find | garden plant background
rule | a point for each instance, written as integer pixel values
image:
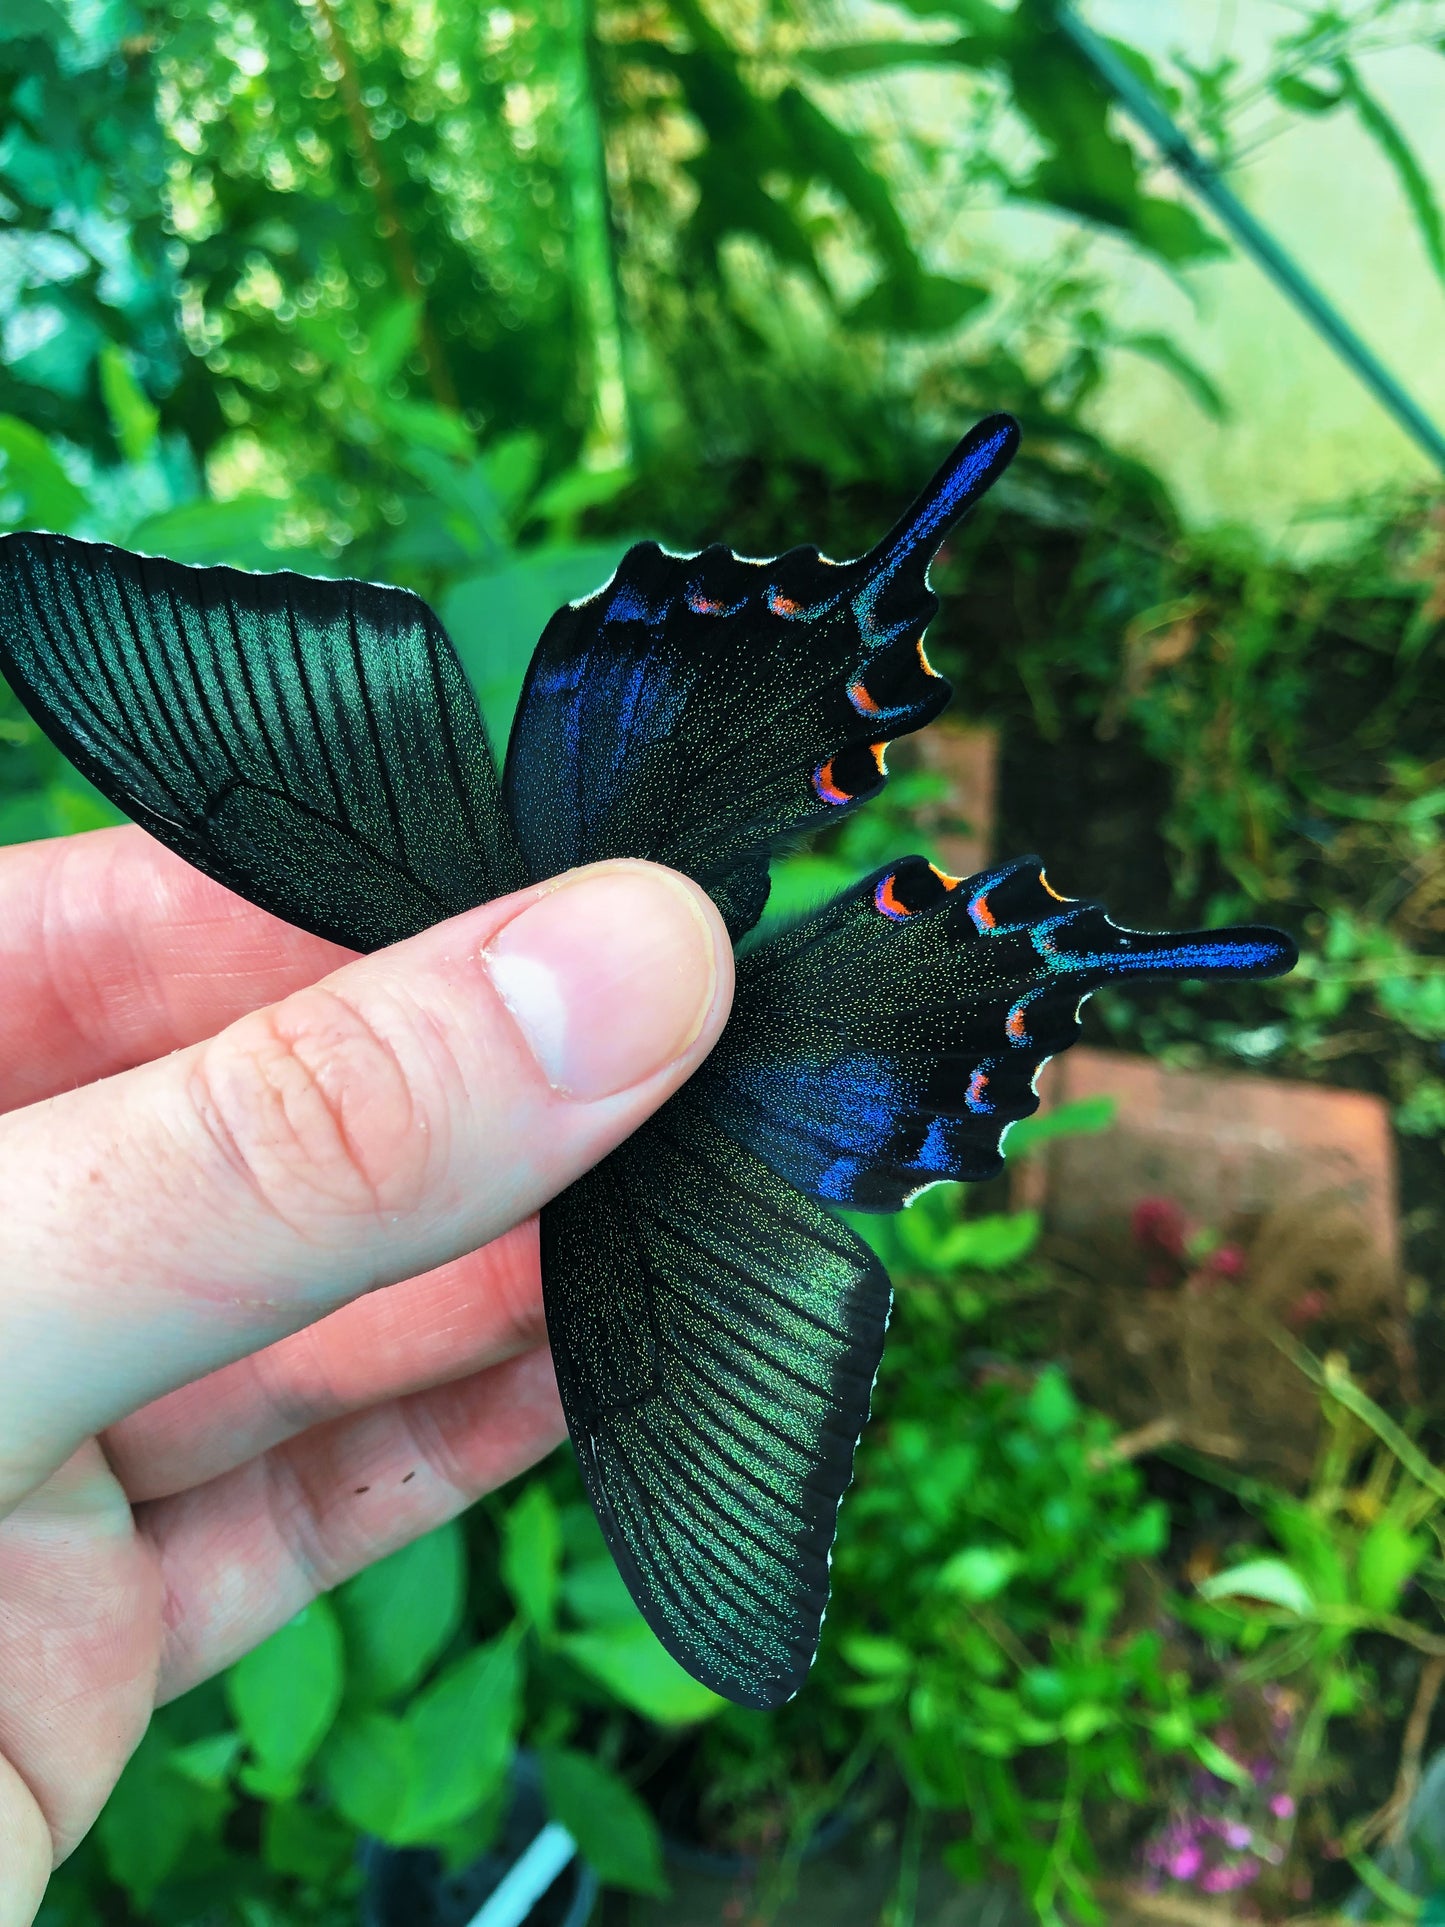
(466, 298)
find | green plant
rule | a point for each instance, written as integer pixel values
(392, 1708)
(1009, 1678)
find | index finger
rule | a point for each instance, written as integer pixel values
(114, 951)
(412, 1107)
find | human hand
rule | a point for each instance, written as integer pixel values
(205, 1420)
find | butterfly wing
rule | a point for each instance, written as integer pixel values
(889, 1041)
(716, 1331)
(700, 709)
(716, 1335)
(314, 745)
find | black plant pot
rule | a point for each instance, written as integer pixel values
(409, 1887)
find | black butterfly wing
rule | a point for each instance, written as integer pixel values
(314, 745)
(716, 1335)
(699, 709)
(716, 1331)
(888, 1042)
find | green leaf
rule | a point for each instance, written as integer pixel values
(30, 468)
(20, 19)
(208, 1762)
(132, 413)
(511, 466)
(1305, 98)
(918, 304)
(1387, 1558)
(150, 1818)
(429, 427)
(531, 1555)
(1213, 1758)
(1052, 1407)
(1397, 151)
(392, 337)
(1270, 1581)
(234, 532)
(463, 1732)
(567, 495)
(992, 1242)
(1082, 1722)
(629, 1660)
(1186, 371)
(874, 1655)
(884, 56)
(596, 1593)
(615, 1833)
(1090, 170)
(306, 1841)
(495, 618)
(397, 1615)
(367, 1766)
(1080, 1117)
(285, 1694)
(978, 1573)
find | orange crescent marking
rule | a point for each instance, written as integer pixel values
(924, 664)
(825, 786)
(888, 899)
(861, 700)
(948, 882)
(1051, 890)
(880, 754)
(782, 605)
(977, 1085)
(1014, 1025)
(983, 917)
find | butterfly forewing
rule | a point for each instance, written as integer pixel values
(699, 709)
(314, 745)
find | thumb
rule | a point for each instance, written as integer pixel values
(403, 1111)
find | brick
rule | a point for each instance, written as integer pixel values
(1221, 1146)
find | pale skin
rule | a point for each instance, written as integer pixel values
(269, 1291)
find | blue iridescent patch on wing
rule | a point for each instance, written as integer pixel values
(889, 1041)
(772, 689)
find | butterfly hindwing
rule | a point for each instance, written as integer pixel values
(701, 708)
(314, 745)
(716, 1335)
(887, 1041)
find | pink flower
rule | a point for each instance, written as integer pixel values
(1282, 1806)
(1158, 1224)
(1225, 1880)
(1307, 1309)
(1184, 1864)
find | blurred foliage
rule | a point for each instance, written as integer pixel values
(465, 299)
(391, 1708)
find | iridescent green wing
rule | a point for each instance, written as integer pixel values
(314, 745)
(715, 1330)
(716, 1335)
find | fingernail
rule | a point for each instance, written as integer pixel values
(609, 978)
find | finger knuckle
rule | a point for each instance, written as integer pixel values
(327, 1110)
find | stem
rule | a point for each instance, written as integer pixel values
(1256, 240)
(609, 436)
(1332, 1376)
(389, 222)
